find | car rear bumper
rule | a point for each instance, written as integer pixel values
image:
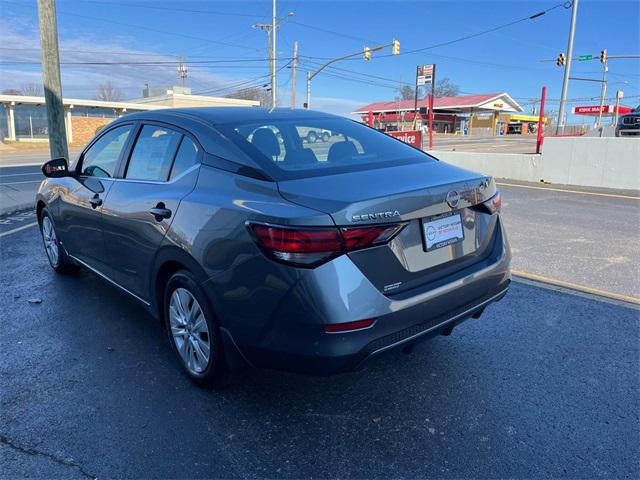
(338, 292)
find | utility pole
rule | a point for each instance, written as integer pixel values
(274, 27)
(51, 79)
(294, 74)
(619, 95)
(271, 28)
(182, 70)
(567, 69)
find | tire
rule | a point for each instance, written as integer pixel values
(325, 137)
(312, 137)
(52, 247)
(192, 329)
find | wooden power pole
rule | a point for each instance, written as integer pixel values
(51, 78)
(294, 74)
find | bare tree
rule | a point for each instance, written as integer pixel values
(252, 93)
(407, 92)
(11, 91)
(446, 88)
(108, 92)
(32, 90)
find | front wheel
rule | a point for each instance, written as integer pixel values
(312, 137)
(55, 253)
(193, 331)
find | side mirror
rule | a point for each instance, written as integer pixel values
(56, 168)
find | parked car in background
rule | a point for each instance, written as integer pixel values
(629, 124)
(313, 135)
(254, 249)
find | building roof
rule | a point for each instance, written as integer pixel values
(489, 101)
(141, 104)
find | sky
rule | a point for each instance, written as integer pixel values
(223, 52)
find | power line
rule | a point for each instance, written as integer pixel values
(143, 27)
(174, 9)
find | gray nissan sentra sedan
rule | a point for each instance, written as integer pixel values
(258, 246)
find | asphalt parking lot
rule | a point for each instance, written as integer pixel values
(544, 384)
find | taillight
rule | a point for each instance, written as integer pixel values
(311, 246)
(491, 206)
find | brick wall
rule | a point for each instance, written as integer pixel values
(84, 128)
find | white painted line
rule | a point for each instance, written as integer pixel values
(611, 195)
(18, 183)
(2, 175)
(19, 229)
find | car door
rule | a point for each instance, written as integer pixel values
(162, 169)
(79, 220)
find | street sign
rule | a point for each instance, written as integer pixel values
(425, 75)
(583, 58)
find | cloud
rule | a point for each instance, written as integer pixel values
(80, 81)
(337, 106)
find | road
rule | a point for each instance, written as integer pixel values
(545, 384)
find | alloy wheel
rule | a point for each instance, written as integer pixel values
(50, 241)
(189, 330)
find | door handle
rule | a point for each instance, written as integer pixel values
(95, 201)
(160, 212)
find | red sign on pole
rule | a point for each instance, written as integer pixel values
(413, 137)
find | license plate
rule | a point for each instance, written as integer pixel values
(443, 231)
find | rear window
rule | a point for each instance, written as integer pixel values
(308, 147)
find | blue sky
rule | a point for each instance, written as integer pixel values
(509, 59)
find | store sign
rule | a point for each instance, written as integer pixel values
(425, 75)
(590, 109)
(413, 138)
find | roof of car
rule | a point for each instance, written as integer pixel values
(216, 115)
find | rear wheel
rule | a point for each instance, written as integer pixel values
(312, 137)
(55, 253)
(193, 331)
(325, 137)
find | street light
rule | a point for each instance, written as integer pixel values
(271, 28)
(395, 44)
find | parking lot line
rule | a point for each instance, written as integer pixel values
(19, 229)
(578, 287)
(611, 195)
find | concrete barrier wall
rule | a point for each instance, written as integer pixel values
(592, 162)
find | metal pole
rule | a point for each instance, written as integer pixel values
(431, 121)
(294, 74)
(567, 69)
(541, 120)
(51, 78)
(274, 27)
(308, 102)
(603, 92)
(615, 118)
(415, 103)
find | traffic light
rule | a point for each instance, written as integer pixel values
(395, 47)
(367, 53)
(603, 56)
(561, 60)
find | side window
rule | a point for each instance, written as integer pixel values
(186, 157)
(102, 158)
(153, 154)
